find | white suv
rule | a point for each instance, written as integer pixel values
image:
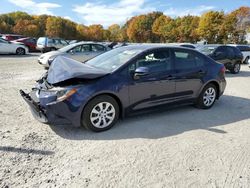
(46, 44)
(245, 50)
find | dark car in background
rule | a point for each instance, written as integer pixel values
(230, 56)
(11, 37)
(124, 80)
(29, 42)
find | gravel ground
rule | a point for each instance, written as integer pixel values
(181, 147)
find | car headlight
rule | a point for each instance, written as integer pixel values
(50, 60)
(65, 94)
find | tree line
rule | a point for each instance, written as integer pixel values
(212, 26)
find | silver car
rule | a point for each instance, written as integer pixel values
(81, 51)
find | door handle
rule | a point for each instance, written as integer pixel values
(170, 77)
(201, 72)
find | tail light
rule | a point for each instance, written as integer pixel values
(223, 70)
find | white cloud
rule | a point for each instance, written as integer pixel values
(67, 17)
(196, 11)
(98, 13)
(35, 8)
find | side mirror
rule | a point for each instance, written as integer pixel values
(72, 52)
(141, 71)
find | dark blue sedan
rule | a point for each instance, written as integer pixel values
(96, 93)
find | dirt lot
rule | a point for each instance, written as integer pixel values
(182, 147)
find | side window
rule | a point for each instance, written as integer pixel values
(157, 61)
(230, 52)
(64, 42)
(77, 49)
(221, 50)
(185, 60)
(97, 48)
(86, 48)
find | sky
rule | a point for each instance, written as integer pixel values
(108, 12)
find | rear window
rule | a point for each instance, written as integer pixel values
(188, 60)
(244, 48)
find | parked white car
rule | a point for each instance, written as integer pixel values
(7, 47)
(245, 50)
(81, 51)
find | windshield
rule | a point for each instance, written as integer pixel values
(207, 49)
(67, 48)
(3, 41)
(113, 59)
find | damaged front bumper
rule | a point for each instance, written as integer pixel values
(35, 108)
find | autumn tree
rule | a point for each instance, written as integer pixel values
(160, 27)
(210, 26)
(187, 28)
(82, 32)
(140, 28)
(54, 27)
(115, 33)
(26, 28)
(96, 32)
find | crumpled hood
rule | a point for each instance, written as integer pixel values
(64, 68)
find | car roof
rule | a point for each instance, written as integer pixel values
(152, 46)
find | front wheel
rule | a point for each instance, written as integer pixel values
(100, 114)
(20, 51)
(235, 69)
(207, 97)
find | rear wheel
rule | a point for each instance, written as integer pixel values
(207, 97)
(20, 51)
(100, 114)
(235, 69)
(246, 60)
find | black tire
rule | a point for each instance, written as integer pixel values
(236, 68)
(201, 102)
(53, 49)
(246, 60)
(20, 51)
(98, 116)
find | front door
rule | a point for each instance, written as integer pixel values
(157, 87)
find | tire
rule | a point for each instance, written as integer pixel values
(20, 51)
(53, 49)
(235, 69)
(100, 114)
(207, 97)
(246, 60)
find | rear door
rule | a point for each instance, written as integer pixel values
(220, 55)
(155, 88)
(97, 49)
(81, 53)
(190, 68)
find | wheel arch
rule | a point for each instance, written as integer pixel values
(117, 99)
(214, 82)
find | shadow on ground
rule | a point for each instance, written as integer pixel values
(19, 56)
(229, 109)
(27, 151)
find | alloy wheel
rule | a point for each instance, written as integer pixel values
(102, 115)
(209, 96)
